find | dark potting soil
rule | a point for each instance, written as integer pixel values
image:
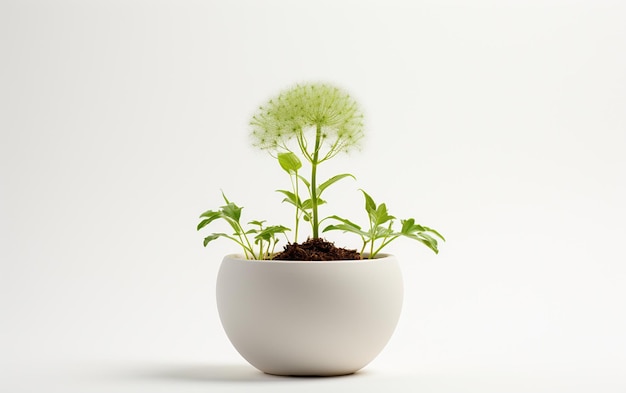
(315, 250)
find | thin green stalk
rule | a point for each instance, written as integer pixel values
(372, 238)
(247, 251)
(314, 162)
(383, 244)
(295, 188)
(364, 245)
(303, 146)
(383, 241)
(259, 256)
(239, 233)
(332, 151)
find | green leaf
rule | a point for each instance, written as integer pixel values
(208, 220)
(308, 204)
(377, 215)
(224, 196)
(331, 181)
(381, 232)
(382, 215)
(209, 213)
(427, 240)
(345, 221)
(289, 162)
(256, 222)
(288, 201)
(370, 205)
(407, 225)
(214, 236)
(291, 197)
(435, 232)
(232, 211)
(268, 233)
(305, 181)
(345, 228)
(277, 229)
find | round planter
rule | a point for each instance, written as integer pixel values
(309, 318)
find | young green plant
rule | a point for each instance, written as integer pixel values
(312, 123)
(264, 238)
(304, 209)
(381, 232)
(308, 125)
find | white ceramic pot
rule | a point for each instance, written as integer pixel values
(309, 318)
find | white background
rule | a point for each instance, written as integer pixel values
(500, 123)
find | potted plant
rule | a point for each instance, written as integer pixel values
(312, 308)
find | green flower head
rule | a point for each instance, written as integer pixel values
(315, 110)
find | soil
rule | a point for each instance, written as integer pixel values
(316, 250)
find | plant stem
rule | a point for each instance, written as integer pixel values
(240, 231)
(363, 248)
(372, 238)
(384, 243)
(314, 162)
(295, 186)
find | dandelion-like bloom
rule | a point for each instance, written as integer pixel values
(324, 113)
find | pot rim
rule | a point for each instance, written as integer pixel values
(379, 258)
